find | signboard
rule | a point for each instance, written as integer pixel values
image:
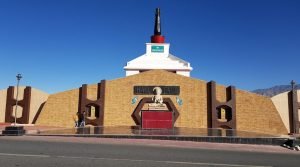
(148, 90)
(157, 49)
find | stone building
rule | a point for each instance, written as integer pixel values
(130, 101)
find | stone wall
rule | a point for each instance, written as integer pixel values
(298, 93)
(254, 112)
(37, 99)
(282, 105)
(3, 94)
(60, 109)
(119, 93)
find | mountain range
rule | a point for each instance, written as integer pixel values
(275, 90)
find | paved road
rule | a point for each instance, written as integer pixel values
(27, 153)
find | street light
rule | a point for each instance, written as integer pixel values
(293, 83)
(19, 76)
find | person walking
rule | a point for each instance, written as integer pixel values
(82, 122)
(76, 119)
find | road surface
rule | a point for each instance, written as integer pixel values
(16, 152)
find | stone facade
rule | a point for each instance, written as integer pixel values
(60, 109)
(38, 98)
(254, 113)
(3, 94)
(119, 93)
(282, 104)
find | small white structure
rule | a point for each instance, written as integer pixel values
(158, 57)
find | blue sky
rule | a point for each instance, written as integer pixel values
(60, 44)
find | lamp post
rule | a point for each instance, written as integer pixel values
(15, 130)
(293, 83)
(294, 109)
(19, 76)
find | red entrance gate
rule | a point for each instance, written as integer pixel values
(157, 120)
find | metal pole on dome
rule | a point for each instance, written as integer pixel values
(19, 76)
(157, 26)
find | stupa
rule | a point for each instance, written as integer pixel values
(158, 56)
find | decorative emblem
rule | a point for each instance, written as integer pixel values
(179, 101)
(134, 100)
